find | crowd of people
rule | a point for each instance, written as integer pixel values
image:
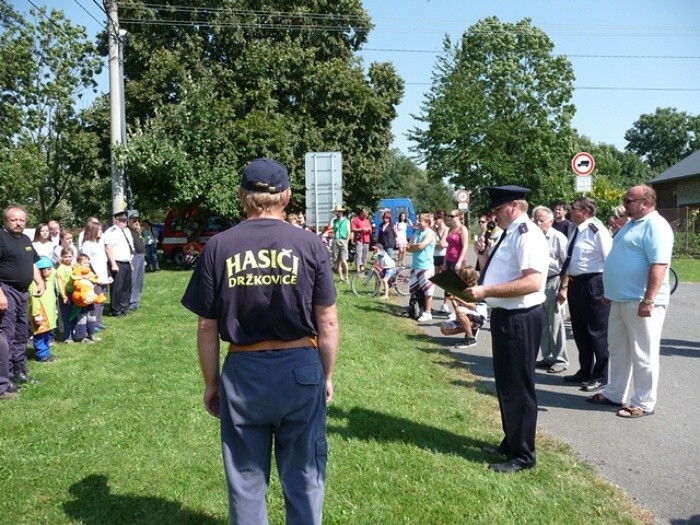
(52, 290)
(545, 265)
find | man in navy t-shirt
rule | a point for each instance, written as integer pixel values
(17, 271)
(266, 288)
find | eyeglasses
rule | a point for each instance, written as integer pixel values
(630, 201)
(453, 216)
(577, 208)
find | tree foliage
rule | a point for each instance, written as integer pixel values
(403, 178)
(665, 137)
(258, 78)
(499, 111)
(47, 156)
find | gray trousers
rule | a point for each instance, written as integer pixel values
(275, 395)
(138, 268)
(553, 342)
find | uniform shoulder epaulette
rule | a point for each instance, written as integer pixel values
(522, 228)
(593, 227)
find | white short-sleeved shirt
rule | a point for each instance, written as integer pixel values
(591, 248)
(121, 242)
(524, 248)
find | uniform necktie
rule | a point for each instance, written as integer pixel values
(569, 251)
(488, 262)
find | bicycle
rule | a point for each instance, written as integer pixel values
(368, 284)
(672, 280)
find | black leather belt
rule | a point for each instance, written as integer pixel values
(584, 276)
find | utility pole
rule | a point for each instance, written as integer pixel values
(115, 105)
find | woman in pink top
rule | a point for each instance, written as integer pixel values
(457, 241)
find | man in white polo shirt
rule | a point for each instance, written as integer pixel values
(119, 246)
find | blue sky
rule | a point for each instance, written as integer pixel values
(611, 92)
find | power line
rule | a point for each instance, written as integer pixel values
(437, 52)
(595, 88)
(88, 12)
(577, 29)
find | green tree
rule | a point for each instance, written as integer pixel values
(665, 137)
(499, 111)
(403, 178)
(284, 76)
(46, 155)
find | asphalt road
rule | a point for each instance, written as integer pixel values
(656, 459)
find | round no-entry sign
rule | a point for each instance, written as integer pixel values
(583, 164)
(462, 196)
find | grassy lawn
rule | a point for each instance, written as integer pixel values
(688, 270)
(116, 434)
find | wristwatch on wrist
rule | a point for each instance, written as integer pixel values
(648, 301)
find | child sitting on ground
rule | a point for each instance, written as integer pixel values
(469, 317)
(388, 267)
(42, 311)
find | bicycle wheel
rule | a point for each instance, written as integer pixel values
(365, 284)
(672, 279)
(402, 282)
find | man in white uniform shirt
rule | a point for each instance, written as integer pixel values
(582, 287)
(119, 246)
(512, 282)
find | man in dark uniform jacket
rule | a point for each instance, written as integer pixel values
(513, 282)
(266, 288)
(17, 271)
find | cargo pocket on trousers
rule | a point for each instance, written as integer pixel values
(321, 459)
(309, 374)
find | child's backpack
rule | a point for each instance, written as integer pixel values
(415, 304)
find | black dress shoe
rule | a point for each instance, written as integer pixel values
(543, 363)
(578, 377)
(493, 451)
(509, 467)
(594, 385)
(21, 378)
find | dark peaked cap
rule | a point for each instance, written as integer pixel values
(265, 176)
(503, 194)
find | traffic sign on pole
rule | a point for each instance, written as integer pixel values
(462, 196)
(583, 164)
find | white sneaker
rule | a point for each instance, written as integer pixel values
(445, 309)
(425, 317)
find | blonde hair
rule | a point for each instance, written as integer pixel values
(428, 217)
(259, 202)
(468, 275)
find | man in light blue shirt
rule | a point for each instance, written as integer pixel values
(635, 277)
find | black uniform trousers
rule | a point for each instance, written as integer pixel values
(14, 333)
(515, 341)
(589, 323)
(120, 291)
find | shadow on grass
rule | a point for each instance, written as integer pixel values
(95, 505)
(371, 425)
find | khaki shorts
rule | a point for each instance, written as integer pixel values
(340, 249)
